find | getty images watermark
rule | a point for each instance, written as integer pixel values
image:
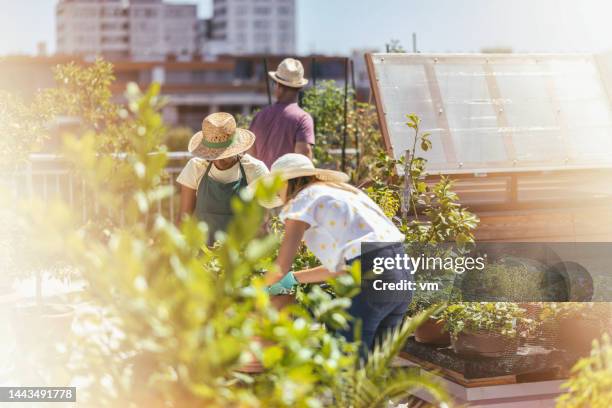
(488, 271)
(392, 272)
(401, 264)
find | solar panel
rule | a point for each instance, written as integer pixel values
(492, 113)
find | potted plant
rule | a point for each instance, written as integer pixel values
(485, 329)
(432, 330)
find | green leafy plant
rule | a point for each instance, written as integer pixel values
(325, 102)
(600, 311)
(169, 321)
(444, 218)
(509, 279)
(394, 45)
(591, 382)
(374, 385)
(430, 213)
(497, 317)
(177, 138)
(423, 299)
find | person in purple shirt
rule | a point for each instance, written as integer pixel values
(283, 127)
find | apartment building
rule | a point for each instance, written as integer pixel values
(252, 27)
(121, 29)
(192, 89)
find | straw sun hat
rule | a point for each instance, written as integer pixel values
(294, 165)
(290, 72)
(220, 138)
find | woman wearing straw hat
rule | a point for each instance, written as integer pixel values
(334, 219)
(218, 171)
(284, 127)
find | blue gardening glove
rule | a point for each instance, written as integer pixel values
(284, 285)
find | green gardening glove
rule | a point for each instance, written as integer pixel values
(284, 285)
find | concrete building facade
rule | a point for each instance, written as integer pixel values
(192, 89)
(120, 29)
(252, 27)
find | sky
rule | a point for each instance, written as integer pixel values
(339, 26)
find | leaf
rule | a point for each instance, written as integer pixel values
(272, 355)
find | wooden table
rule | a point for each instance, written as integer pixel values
(527, 382)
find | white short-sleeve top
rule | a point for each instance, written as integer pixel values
(194, 170)
(339, 222)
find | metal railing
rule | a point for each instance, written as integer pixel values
(48, 177)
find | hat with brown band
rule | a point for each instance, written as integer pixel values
(220, 138)
(290, 72)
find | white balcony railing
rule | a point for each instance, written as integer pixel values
(48, 177)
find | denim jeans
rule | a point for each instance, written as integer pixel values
(377, 317)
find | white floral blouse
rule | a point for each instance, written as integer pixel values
(339, 222)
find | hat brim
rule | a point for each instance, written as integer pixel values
(302, 83)
(321, 174)
(243, 141)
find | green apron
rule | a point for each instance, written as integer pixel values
(213, 202)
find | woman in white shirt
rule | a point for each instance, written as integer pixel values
(334, 219)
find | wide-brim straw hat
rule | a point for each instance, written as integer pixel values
(294, 165)
(220, 138)
(290, 72)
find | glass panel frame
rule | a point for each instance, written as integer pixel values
(485, 110)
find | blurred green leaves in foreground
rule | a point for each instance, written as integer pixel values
(165, 321)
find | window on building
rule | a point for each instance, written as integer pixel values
(260, 24)
(284, 10)
(241, 36)
(219, 25)
(110, 26)
(262, 37)
(87, 13)
(111, 12)
(262, 11)
(242, 10)
(284, 24)
(244, 69)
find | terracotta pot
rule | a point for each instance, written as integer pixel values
(431, 332)
(577, 334)
(483, 344)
